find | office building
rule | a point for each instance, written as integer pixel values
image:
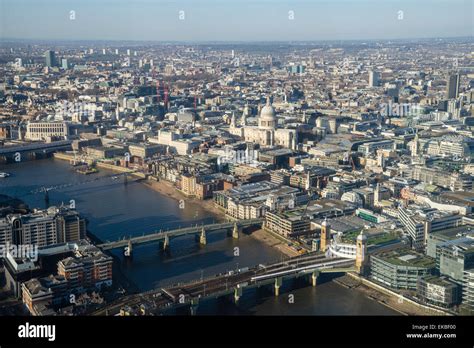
(50, 58)
(418, 222)
(468, 289)
(439, 291)
(374, 78)
(400, 269)
(43, 130)
(289, 223)
(453, 181)
(64, 64)
(453, 85)
(454, 257)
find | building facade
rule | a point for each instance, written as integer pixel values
(438, 291)
(43, 227)
(45, 130)
(266, 133)
(400, 269)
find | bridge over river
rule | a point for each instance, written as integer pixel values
(232, 283)
(164, 237)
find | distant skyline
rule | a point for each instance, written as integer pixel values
(235, 20)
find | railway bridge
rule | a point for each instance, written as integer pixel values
(233, 284)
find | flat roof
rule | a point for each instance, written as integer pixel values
(407, 257)
(442, 281)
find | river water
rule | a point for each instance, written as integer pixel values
(115, 210)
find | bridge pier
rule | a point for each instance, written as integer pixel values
(129, 249)
(202, 237)
(238, 291)
(236, 231)
(314, 278)
(278, 283)
(193, 307)
(166, 243)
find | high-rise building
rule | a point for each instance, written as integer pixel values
(64, 64)
(296, 69)
(50, 58)
(374, 78)
(43, 227)
(452, 88)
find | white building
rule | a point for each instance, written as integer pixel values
(266, 133)
(468, 288)
(175, 142)
(344, 250)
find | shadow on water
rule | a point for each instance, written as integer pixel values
(296, 297)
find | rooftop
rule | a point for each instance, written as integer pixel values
(442, 281)
(407, 258)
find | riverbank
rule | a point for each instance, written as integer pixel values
(265, 237)
(103, 165)
(114, 211)
(386, 297)
(12, 205)
(167, 189)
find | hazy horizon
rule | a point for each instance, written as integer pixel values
(235, 20)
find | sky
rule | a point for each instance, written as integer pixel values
(235, 20)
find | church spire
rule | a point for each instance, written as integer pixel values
(232, 120)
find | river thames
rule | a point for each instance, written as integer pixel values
(115, 210)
